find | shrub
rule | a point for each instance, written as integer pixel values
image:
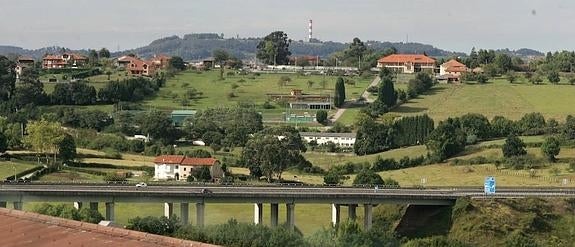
(321, 116)
(550, 148)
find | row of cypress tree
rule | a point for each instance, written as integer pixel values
(412, 130)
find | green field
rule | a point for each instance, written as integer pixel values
(250, 88)
(7, 168)
(498, 97)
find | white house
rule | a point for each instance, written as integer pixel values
(340, 139)
(179, 167)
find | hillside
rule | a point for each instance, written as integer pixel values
(194, 46)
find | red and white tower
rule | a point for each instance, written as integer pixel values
(310, 30)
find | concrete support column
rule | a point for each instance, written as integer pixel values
(78, 205)
(94, 206)
(200, 214)
(290, 215)
(110, 211)
(2, 204)
(367, 216)
(184, 213)
(335, 214)
(168, 209)
(258, 213)
(351, 214)
(18, 205)
(274, 212)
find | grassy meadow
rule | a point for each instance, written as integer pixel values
(497, 97)
(247, 88)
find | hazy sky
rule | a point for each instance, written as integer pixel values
(455, 25)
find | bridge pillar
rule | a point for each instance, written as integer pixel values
(78, 205)
(110, 211)
(367, 216)
(290, 215)
(200, 213)
(18, 205)
(258, 213)
(351, 214)
(274, 212)
(94, 206)
(184, 213)
(2, 204)
(335, 214)
(168, 209)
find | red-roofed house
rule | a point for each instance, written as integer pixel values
(66, 60)
(452, 67)
(23, 63)
(137, 66)
(179, 167)
(407, 63)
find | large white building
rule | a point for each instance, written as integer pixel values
(407, 63)
(340, 139)
(179, 167)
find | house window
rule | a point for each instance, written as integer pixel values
(177, 167)
(184, 169)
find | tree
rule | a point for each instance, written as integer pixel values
(67, 148)
(568, 129)
(274, 48)
(221, 57)
(7, 78)
(201, 174)
(93, 56)
(321, 116)
(387, 94)
(476, 124)
(532, 123)
(104, 53)
(177, 63)
(501, 126)
(339, 94)
(367, 176)
(44, 137)
(513, 146)
(3, 143)
(551, 148)
(270, 155)
(333, 177)
(511, 77)
(553, 77)
(446, 140)
(158, 125)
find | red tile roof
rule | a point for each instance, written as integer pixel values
(21, 228)
(454, 66)
(185, 161)
(406, 58)
(169, 159)
(199, 161)
(52, 57)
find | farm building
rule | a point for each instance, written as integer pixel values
(340, 139)
(407, 63)
(179, 167)
(298, 100)
(452, 70)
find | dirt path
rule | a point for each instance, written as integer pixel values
(366, 94)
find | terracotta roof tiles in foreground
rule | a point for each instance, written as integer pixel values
(19, 228)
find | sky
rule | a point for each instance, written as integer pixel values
(455, 25)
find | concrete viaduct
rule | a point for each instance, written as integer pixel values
(350, 197)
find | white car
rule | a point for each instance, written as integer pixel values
(141, 185)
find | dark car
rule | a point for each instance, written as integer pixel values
(206, 191)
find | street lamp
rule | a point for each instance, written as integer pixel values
(15, 179)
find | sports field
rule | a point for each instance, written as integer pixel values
(498, 97)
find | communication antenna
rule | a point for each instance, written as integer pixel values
(310, 30)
